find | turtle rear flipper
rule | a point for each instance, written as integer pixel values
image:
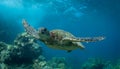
(29, 29)
(86, 39)
(80, 45)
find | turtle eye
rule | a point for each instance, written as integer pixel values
(42, 32)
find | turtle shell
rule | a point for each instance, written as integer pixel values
(57, 43)
(59, 34)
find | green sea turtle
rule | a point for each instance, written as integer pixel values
(58, 39)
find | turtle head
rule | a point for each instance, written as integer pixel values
(44, 33)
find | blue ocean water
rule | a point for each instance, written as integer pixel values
(83, 18)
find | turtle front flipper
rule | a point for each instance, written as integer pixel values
(29, 29)
(86, 39)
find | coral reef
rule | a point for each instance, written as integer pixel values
(95, 63)
(54, 63)
(26, 53)
(58, 63)
(18, 53)
(114, 66)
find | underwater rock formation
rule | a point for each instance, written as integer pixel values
(24, 50)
